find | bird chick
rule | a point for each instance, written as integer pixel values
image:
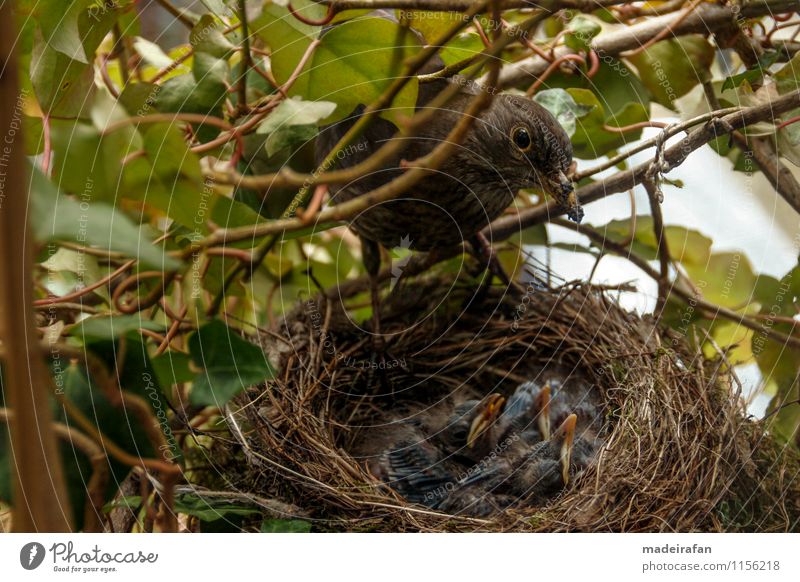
(520, 473)
(527, 413)
(423, 455)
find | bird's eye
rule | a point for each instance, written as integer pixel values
(521, 138)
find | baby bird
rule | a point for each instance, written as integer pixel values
(527, 413)
(422, 456)
(522, 472)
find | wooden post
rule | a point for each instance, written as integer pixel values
(40, 501)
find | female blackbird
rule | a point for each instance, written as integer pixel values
(514, 144)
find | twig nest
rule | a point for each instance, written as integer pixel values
(679, 452)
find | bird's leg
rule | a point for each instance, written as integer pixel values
(371, 255)
(485, 253)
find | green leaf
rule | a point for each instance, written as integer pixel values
(55, 216)
(61, 75)
(753, 75)
(462, 47)
(230, 364)
(104, 327)
(151, 53)
(130, 502)
(581, 30)
(432, 25)
(63, 87)
(285, 526)
(207, 36)
(287, 37)
(563, 107)
(293, 122)
(85, 269)
(787, 78)
(591, 140)
(207, 509)
(218, 7)
(354, 63)
(685, 245)
(671, 68)
(60, 27)
(296, 111)
(727, 278)
(173, 368)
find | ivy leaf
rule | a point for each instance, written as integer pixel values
(106, 327)
(151, 53)
(208, 509)
(296, 111)
(591, 139)
(60, 72)
(293, 121)
(727, 278)
(62, 86)
(580, 32)
(353, 64)
(285, 526)
(55, 216)
(230, 364)
(218, 7)
(431, 25)
(671, 68)
(462, 47)
(690, 247)
(563, 107)
(205, 90)
(753, 75)
(172, 368)
(207, 36)
(60, 27)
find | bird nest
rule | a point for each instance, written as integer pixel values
(679, 452)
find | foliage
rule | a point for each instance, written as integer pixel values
(146, 163)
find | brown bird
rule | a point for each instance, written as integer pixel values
(514, 144)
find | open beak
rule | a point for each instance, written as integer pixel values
(566, 434)
(491, 409)
(543, 411)
(561, 187)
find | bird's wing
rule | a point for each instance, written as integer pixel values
(416, 471)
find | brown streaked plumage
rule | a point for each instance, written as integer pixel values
(515, 144)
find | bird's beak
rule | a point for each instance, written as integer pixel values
(485, 418)
(566, 434)
(543, 411)
(561, 187)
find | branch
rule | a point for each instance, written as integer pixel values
(39, 492)
(654, 196)
(673, 157)
(96, 487)
(185, 17)
(241, 106)
(418, 169)
(779, 175)
(713, 311)
(705, 18)
(465, 5)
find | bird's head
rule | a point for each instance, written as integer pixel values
(532, 149)
(484, 418)
(541, 411)
(564, 438)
